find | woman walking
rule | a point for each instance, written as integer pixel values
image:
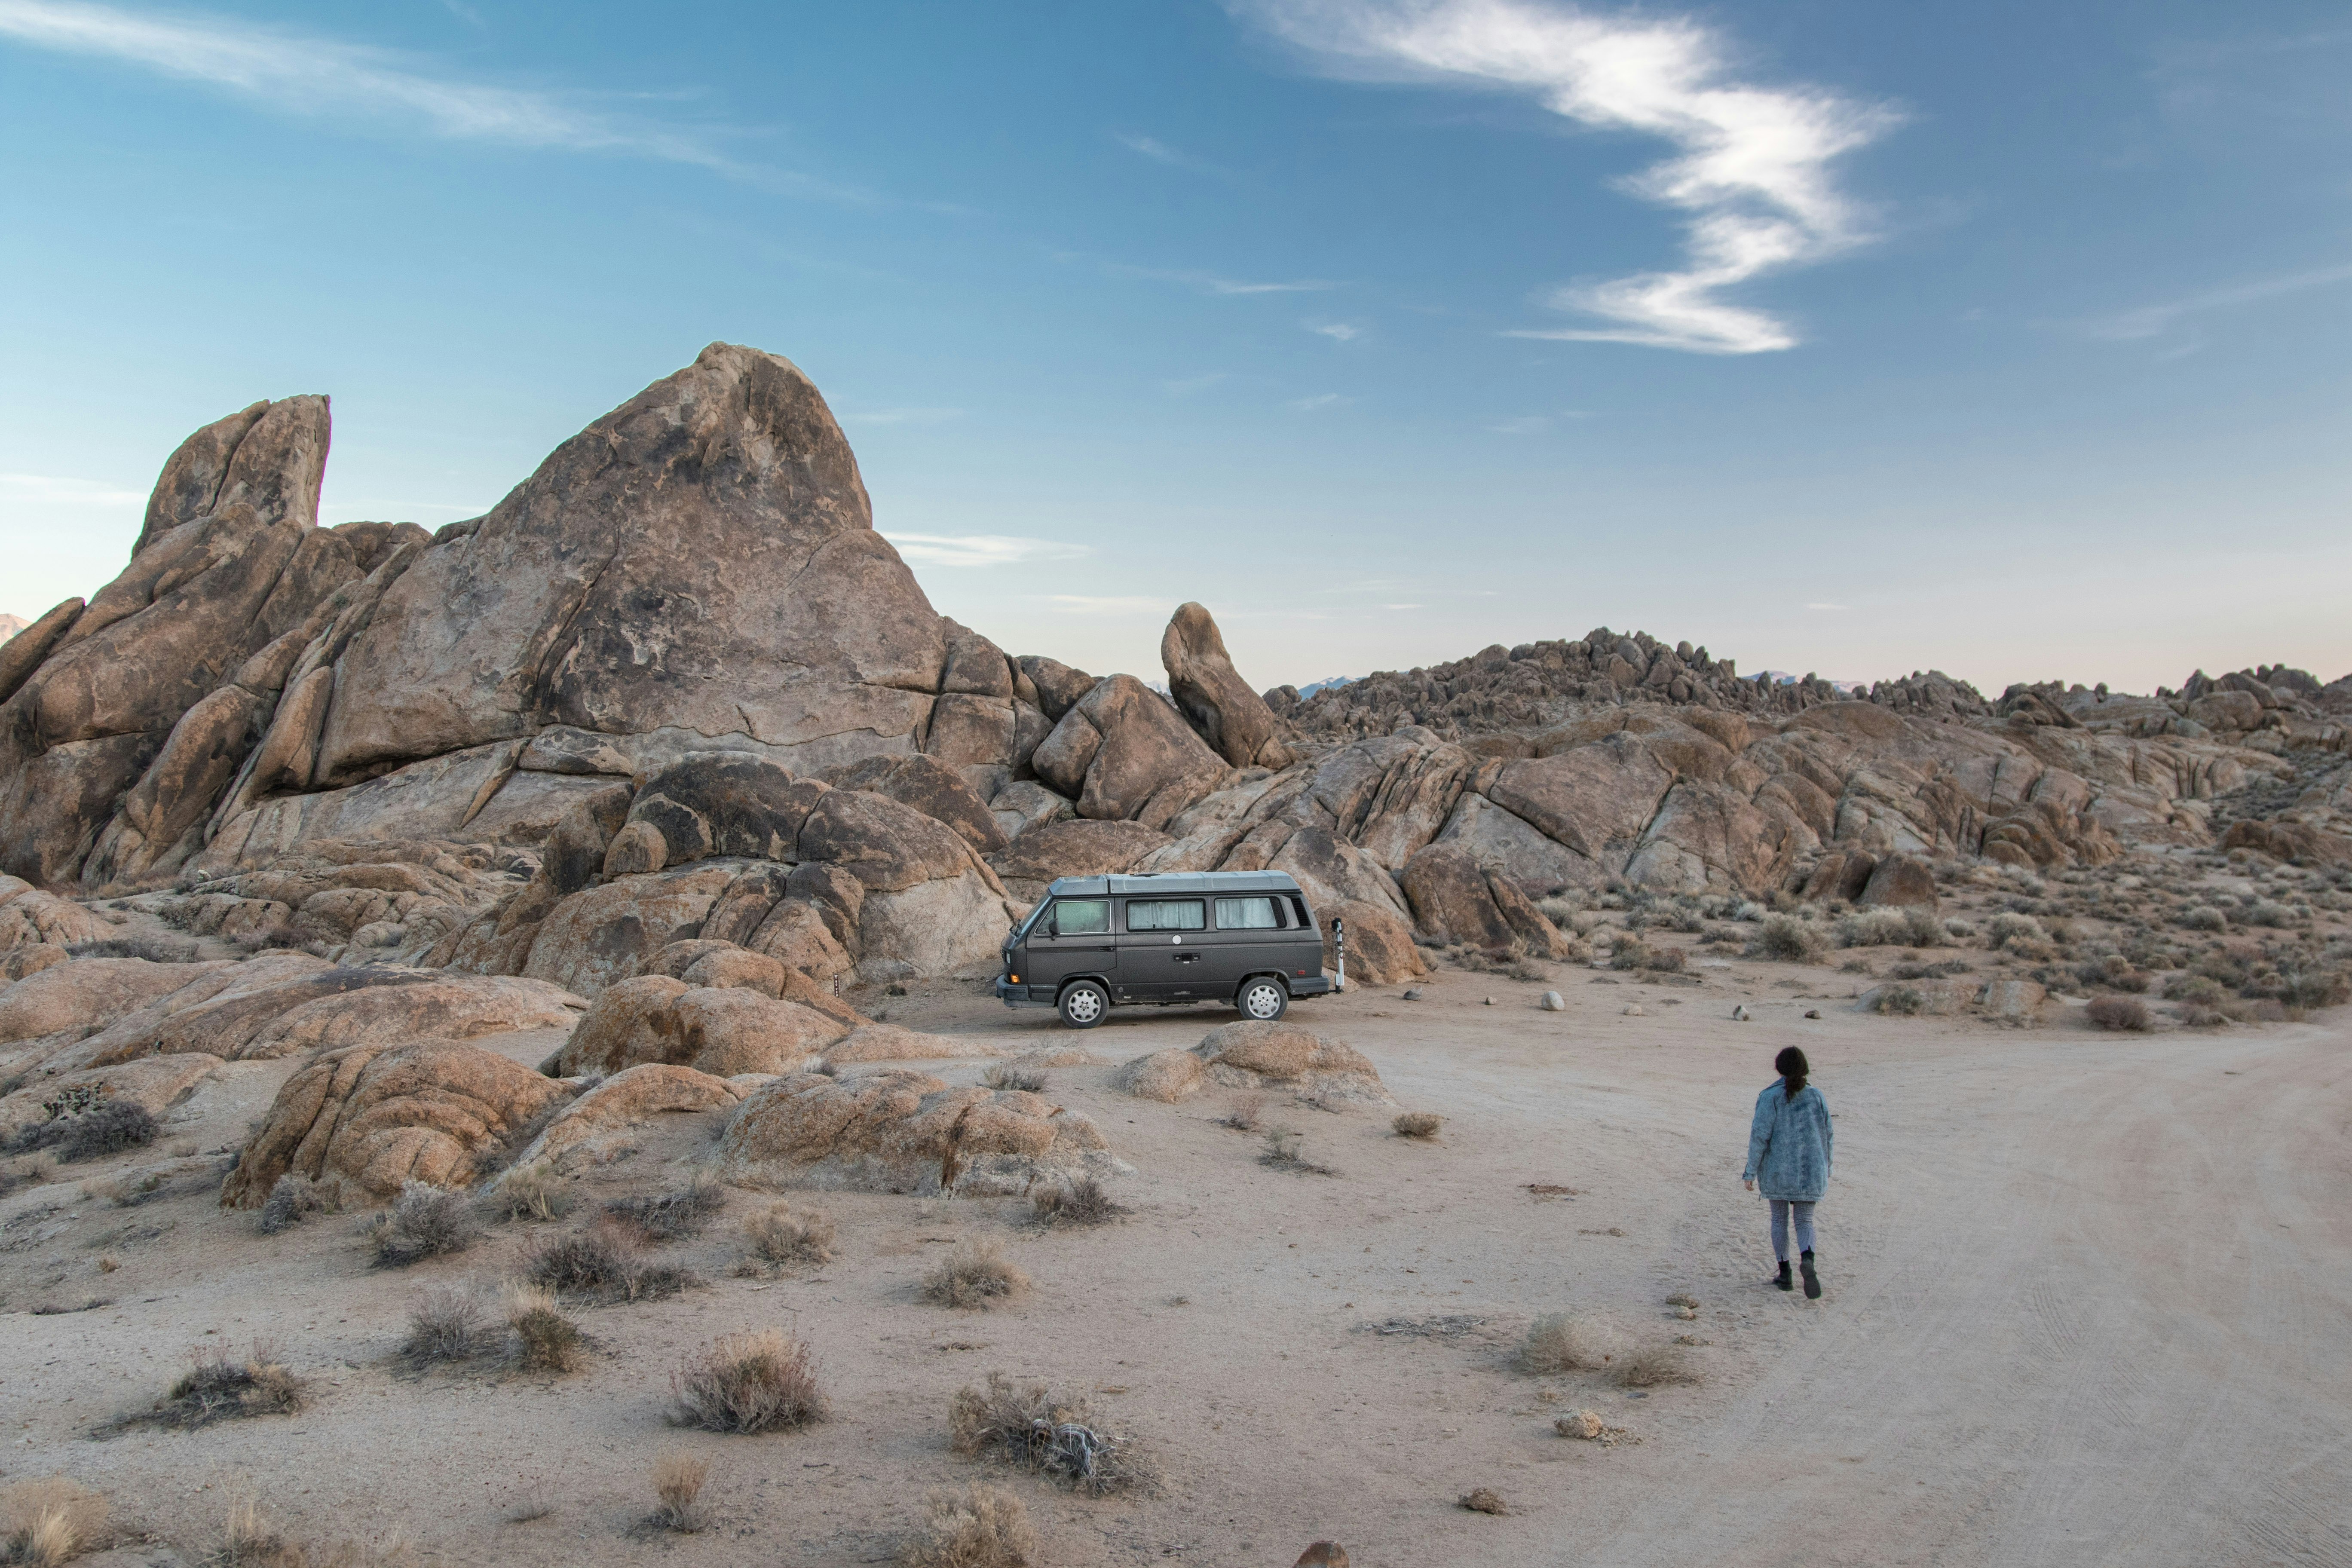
(1789, 1152)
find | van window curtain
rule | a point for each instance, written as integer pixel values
(1167, 914)
(1247, 915)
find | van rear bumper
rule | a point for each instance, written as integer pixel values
(1318, 985)
(1014, 995)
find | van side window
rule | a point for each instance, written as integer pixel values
(1247, 915)
(1167, 914)
(1081, 917)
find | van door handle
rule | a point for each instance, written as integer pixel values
(1188, 958)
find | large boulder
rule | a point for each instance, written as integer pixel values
(1077, 847)
(702, 559)
(607, 1116)
(29, 915)
(154, 1084)
(1901, 883)
(1381, 949)
(1252, 1055)
(931, 787)
(375, 1117)
(84, 996)
(722, 1031)
(905, 1132)
(1457, 899)
(1123, 752)
(1234, 719)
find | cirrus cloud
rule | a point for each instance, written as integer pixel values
(979, 549)
(1751, 165)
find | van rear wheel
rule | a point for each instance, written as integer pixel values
(1263, 1000)
(1084, 1005)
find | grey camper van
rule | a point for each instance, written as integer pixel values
(1243, 938)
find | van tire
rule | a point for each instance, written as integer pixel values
(1263, 999)
(1084, 1005)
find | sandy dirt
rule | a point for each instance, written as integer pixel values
(2089, 1302)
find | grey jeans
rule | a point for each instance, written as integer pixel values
(1781, 1207)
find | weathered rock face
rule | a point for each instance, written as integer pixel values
(702, 559)
(156, 1084)
(1123, 753)
(608, 1115)
(1234, 719)
(1901, 883)
(904, 1131)
(1460, 901)
(1253, 1055)
(376, 1116)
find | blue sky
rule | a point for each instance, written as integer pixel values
(2012, 339)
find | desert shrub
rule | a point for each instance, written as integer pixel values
(1943, 971)
(292, 1199)
(677, 1480)
(154, 948)
(2201, 917)
(1663, 960)
(79, 1129)
(1243, 1111)
(1787, 940)
(2314, 988)
(2266, 913)
(668, 1217)
(1559, 1342)
(778, 1237)
(2015, 931)
(1417, 1125)
(2197, 988)
(1082, 1202)
(1286, 1151)
(1721, 936)
(978, 1527)
(1959, 930)
(443, 1324)
(2201, 1016)
(221, 1386)
(2118, 1012)
(761, 1382)
(1027, 1079)
(1906, 1000)
(2114, 971)
(1630, 952)
(425, 1221)
(545, 1340)
(1651, 1366)
(604, 1261)
(974, 1275)
(48, 1522)
(531, 1191)
(1028, 1425)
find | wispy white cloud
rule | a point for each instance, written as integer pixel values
(2158, 321)
(52, 490)
(1110, 605)
(1338, 331)
(902, 416)
(1752, 166)
(292, 72)
(980, 548)
(1187, 385)
(1159, 151)
(1206, 282)
(1320, 401)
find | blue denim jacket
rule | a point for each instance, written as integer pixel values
(1789, 1148)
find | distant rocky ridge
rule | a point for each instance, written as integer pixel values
(674, 708)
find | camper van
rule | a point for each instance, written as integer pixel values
(1244, 938)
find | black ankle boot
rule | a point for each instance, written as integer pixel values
(1783, 1281)
(1812, 1280)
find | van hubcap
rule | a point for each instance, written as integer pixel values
(1084, 1006)
(1263, 1002)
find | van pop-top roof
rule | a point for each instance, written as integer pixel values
(1175, 882)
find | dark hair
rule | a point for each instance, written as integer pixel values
(1791, 1066)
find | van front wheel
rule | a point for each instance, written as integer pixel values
(1084, 1005)
(1263, 1001)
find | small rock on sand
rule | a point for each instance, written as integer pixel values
(1739, 1012)
(1553, 1002)
(1635, 1011)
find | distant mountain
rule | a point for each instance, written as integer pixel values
(1337, 681)
(11, 624)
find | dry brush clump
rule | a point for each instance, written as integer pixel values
(48, 1522)
(531, 1191)
(1083, 1202)
(780, 1236)
(248, 1540)
(672, 1216)
(1654, 1366)
(1028, 1425)
(293, 1199)
(1243, 1111)
(445, 1324)
(2128, 1013)
(761, 1382)
(978, 1527)
(608, 1262)
(1785, 939)
(1027, 1079)
(425, 1221)
(1285, 1151)
(678, 1481)
(545, 1340)
(1889, 928)
(975, 1275)
(1557, 1341)
(80, 1128)
(1421, 1124)
(224, 1386)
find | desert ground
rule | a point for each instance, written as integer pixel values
(2086, 1303)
